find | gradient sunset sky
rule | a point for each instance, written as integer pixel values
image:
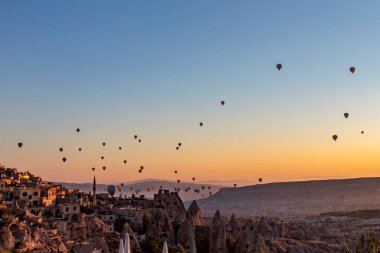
(158, 68)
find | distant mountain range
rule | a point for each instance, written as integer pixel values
(296, 198)
(150, 187)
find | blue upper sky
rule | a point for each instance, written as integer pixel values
(159, 67)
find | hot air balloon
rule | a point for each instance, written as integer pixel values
(135, 136)
(64, 159)
(279, 66)
(175, 172)
(346, 115)
(141, 167)
(93, 169)
(193, 178)
(235, 185)
(260, 179)
(78, 130)
(222, 102)
(20, 144)
(60, 149)
(119, 148)
(102, 157)
(103, 143)
(80, 149)
(201, 123)
(140, 171)
(352, 69)
(177, 148)
(139, 140)
(179, 144)
(125, 161)
(335, 137)
(362, 132)
(104, 167)
(111, 190)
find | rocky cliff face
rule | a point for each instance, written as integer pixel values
(218, 235)
(194, 214)
(160, 226)
(186, 237)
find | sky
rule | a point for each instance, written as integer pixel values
(157, 68)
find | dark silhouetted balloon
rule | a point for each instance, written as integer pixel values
(102, 157)
(111, 190)
(352, 69)
(279, 66)
(104, 167)
(179, 144)
(201, 123)
(19, 145)
(362, 132)
(260, 179)
(140, 171)
(125, 161)
(93, 169)
(235, 185)
(193, 178)
(141, 167)
(103, 143)
(80, 149)
(335, 137)
(346, 115)
(64, 159)
(175, 172)
(135, 136)
(177, 148)
(119, 148)
(61, 149)
(139, 140)
(78, 130)
(222, 102)
(178, 181)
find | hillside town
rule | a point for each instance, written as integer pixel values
(38, 216)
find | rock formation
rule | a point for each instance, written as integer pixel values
(218, 235)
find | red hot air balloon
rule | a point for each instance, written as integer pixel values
(352, 69)
(279, 66)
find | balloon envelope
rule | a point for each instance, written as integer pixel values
(346, 115)
(279, 66)
(335, 137)
(352, 69)
(111, 190)
(19, 145)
